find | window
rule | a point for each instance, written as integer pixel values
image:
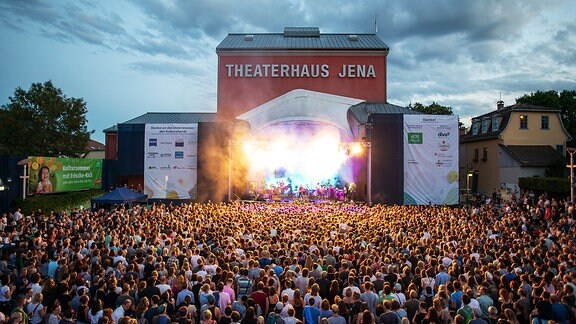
(495, 123)
(475, 128)
(485, 154)
(560, 148)
(475, 159)
(545, 122)
(485, 123)
(523, 122)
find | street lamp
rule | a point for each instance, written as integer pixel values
(469, 176)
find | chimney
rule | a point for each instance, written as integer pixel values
(499, 105)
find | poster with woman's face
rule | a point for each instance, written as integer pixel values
(42, 174)
(52, 174)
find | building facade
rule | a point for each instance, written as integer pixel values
(511, 142)
(254, 69)
(292, 108)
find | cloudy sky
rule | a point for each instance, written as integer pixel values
(126, 58)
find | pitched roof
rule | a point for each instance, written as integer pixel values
(362, 110)
(93, 145)
(505, 113)
(301, 38)
(533, 155)
(172, 118)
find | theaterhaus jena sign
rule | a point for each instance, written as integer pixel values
(298, 71)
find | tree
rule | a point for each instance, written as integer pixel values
(565, 101)
(43, 122)
(432, 109)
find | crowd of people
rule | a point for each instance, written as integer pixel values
(288, 263)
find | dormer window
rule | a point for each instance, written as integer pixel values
(475, 127)
(495, 123)
(485, 124)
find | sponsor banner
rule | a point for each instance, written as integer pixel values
(170, 161)
(52, 174)
(430, 159)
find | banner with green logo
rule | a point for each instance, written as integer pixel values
(52, 174)
(430, 159)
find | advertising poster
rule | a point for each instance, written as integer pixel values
(430, 159)
(52, 174)
(170, 161)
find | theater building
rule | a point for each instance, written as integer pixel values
(306, 91)
(297, 115)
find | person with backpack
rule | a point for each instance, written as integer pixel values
(466, 311)
(162, 317)
(275, 317)
(35, 310)
(19, 302)
(428, 297)
(389, 317)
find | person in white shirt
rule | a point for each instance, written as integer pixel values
(194, 258)
(314, 293)
(17, 215)
(162, 286)
(288, 291)
(351, 286)
(119, 312)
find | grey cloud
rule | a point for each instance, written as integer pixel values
(561, 46)
(66, 24)
(167, 68)
(445, 47)
(161, 46)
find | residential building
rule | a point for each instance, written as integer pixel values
(511, 142)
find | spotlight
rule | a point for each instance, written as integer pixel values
(356, 149)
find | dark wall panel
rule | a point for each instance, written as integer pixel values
(130, 149)
(10, 173)
(387, 158)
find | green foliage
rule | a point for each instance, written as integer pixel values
(550, 185)
(432, 109)
(43, 122)
(557, 169)
(58, 202)
(564, 100)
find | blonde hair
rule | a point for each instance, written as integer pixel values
(38, 298)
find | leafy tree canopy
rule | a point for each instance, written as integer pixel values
(564, 100)
(43, 122)
(432, 109)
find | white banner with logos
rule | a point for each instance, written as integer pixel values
(171, 161)
(430, 159)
